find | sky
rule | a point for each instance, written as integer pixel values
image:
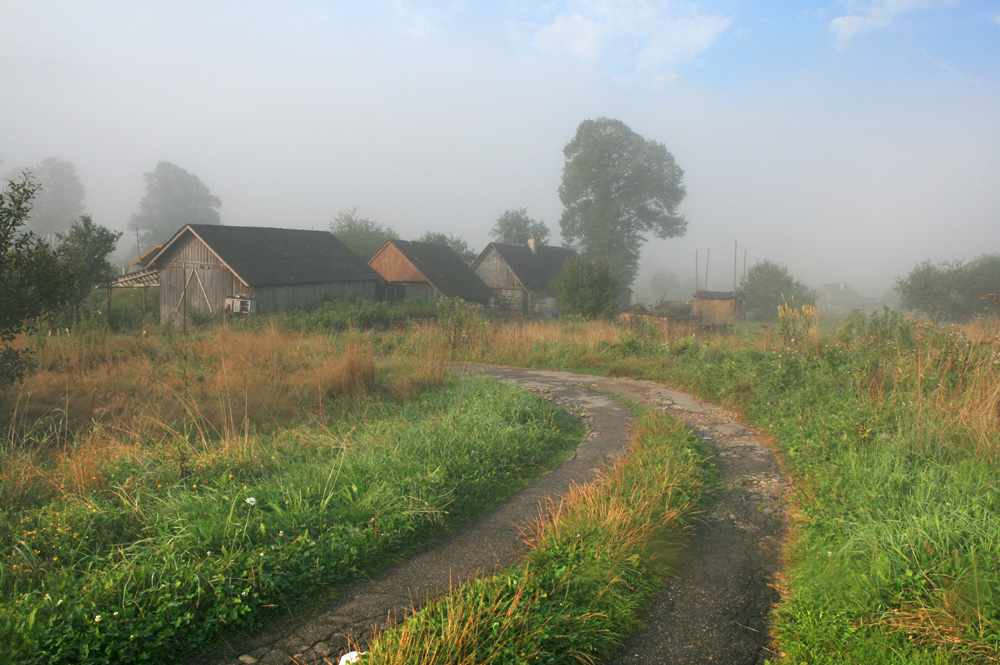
(848, 140)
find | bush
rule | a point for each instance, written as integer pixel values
(586, 287)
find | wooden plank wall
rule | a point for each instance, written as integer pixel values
(394, 267)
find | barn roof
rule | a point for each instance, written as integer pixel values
(533, 269)
(442, 268)
(262, 256)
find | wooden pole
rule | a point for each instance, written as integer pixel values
(708, 255)
(736, 260)
(696, 271)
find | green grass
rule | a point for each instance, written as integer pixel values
(147, 571)
(591, 572)
(889, 430)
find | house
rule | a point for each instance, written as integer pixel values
(714, 307)
(519, 275)
(204, 267)
(841, 298)
(428, 270)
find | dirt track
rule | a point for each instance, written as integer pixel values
(714, 611)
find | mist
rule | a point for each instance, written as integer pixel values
(847, 142)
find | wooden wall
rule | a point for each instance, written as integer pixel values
(394, 267)
(210, 282)
(717, 311)
(497, 275)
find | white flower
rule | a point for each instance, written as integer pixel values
(97, 619)
(251, 501)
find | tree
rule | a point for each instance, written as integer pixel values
(83, 251)
(60, 200)
(515, 227)
(767, 286)
(362, 236)
(586, 287)
(173, 198)
(458, 245)
(950, 290)
(31, 278)
(617, 186)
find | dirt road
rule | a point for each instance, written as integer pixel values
(714, 610)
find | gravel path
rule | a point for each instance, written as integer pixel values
(713, 611)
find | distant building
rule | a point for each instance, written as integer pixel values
(841, 298)
(520, 275)
(205, 265)
(428, 270)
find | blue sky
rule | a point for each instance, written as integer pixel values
(848, 140)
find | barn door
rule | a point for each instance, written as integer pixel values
(202, 290)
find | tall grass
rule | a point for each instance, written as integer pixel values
(592, 568)
(891, 432)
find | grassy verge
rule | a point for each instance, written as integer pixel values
(141, 544)
(593, 568)
(890, 430)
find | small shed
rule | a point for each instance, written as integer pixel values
(714, 307)
(429, 270)
(519, 275)
(203, 265)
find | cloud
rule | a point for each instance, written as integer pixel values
(996, 19)
(642, 40)
(875, 14)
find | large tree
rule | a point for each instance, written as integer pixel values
(362, 236)
(60, 199)
(616, 187)
(173, 198)
(83, 252)
(516, 227)
(457, 244)
(31, 278)
(767, 286)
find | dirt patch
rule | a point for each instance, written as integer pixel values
(713, 611)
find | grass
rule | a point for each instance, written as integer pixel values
(890, 430)
(139, 532)
(593, 567)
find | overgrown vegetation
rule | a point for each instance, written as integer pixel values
(592, 569)
(890, 431)
(256, 470)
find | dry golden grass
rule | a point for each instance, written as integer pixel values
(100, 400)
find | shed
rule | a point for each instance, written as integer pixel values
(519, 275)
(429, 270)
(714, 307)
(278, 269)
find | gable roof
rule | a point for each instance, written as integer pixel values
(442, 268)
(533, 269)
(262, 256)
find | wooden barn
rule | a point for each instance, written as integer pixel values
(714, 307)
(428, 270)
(206, 267)
(519, 275)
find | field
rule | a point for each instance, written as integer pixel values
(153, 482)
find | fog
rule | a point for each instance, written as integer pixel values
(848, 141)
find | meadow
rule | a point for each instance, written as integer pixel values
(159, 491)
(119, 445)
(890, 430)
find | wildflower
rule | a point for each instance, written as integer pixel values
(251, 501)
(281, 533)
(97, 619)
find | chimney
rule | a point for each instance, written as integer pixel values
(533, 245)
